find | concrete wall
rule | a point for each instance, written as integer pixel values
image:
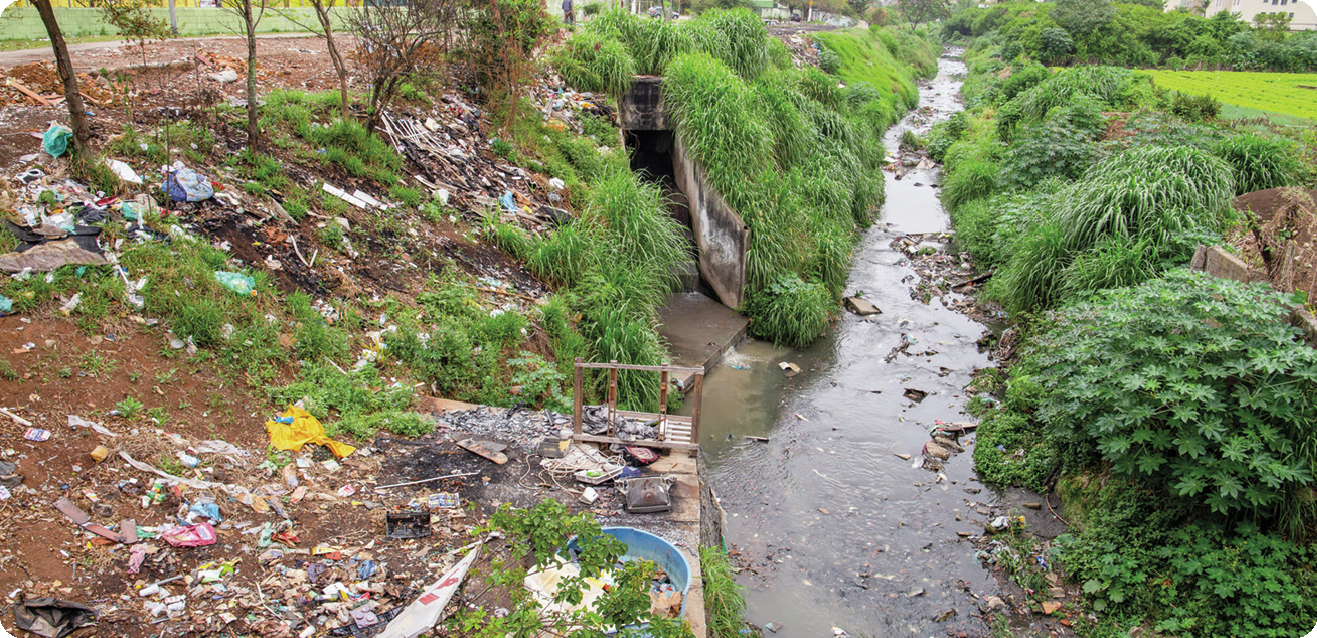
(1217, 262)
(23, 22)
(642, 106)
(721, 236)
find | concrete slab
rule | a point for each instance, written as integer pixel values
(699, 330)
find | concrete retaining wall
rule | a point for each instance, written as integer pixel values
(721, 236)
(23, 22)
(1217, 262)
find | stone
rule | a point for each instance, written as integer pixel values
(1050, 608)
(973, 490)
(933, 450)
(227, 76)
(948, 443)
(1056, 592)
(903, 457)
(994, 602)
(861, 306)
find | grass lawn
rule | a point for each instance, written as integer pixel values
(44, 43)
(1251, 93)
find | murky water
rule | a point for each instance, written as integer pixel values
(842, 531)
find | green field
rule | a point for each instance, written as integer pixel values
(1252, 93)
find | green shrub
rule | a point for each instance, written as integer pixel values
(969, 181)
(829, 61)
(1022, 79)
(790, 311)
(1260, 161)
(1050, 149)
(1190, 383)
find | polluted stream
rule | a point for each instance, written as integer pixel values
(834, 529)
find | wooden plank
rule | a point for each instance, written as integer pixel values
(650, 416)
(670, 445)
(579, 398)
(28, 92)
(628, 366)
(697, 388)
(486, 449)
(612, 396)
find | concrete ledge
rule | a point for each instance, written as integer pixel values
(1215, 261)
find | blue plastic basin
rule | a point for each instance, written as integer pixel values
(646, 546)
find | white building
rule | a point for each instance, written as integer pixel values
(1302, 16)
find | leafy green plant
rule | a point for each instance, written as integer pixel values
(1192, 383)
(129, 407)
(790, 311)
(96, 363)
(1260, 161)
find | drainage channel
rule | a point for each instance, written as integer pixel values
(836, 529)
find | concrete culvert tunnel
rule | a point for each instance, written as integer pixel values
(719, 236)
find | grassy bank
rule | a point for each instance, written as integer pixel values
(1171, 410)
(738, 98)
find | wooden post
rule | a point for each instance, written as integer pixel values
(663, 405)
(579, 398)
(698, 391)
(612, 395)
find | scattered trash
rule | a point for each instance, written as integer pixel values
(790, 369)
(124, 171)
(426, 612)
(37, 434)
(83, 520)
(49, 256)
(915, 394)
(189, 535)
(236, 282)
(51, 617)
(407, 525)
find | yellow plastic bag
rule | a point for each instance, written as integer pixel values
(303, 429)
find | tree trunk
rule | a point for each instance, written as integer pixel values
(253, 114)
(72, 98)
(322, 12)
(173, 19)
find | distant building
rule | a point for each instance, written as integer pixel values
(1302, 16)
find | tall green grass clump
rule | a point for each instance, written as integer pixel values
(1260, 161)
(1133, 215)
(747, 37)
(618, 261)
(589, 61)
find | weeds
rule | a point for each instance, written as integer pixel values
(129, 407)
(96, 363)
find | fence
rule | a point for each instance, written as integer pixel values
(23, 23)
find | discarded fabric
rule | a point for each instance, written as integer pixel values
(304, 429)
(189, 535)
(184, 184)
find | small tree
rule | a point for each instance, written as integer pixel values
(919, 11)
(503, 35)
(72, 96)
(1082, 17)
(1272, 27)
(326, 31)
(395, 43)
(250, 12)
(135, 23)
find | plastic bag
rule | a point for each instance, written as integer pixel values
(189, 535)
(184, 184)
(56, 140)
(237, 282)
